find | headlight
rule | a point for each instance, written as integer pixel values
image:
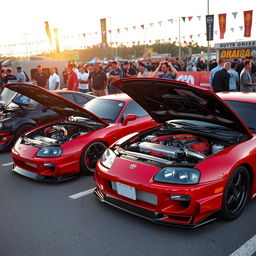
(178, 175)
(108, 158)
(49, 152)
(1, 125)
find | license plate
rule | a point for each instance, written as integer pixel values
(126, 191)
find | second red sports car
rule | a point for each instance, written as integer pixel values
(199, 164)
(63, 148)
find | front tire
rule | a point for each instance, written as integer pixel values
(90, 157)
(236, 194)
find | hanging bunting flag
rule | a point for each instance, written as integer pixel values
(215, 32)
(190, 18)
(209, 27)
(142, 26)
(241, 28)
(151, 24)
(234, 14)
(149, 41)
(222, 24)
(90, 34)
(96, 33)
(118, 30)
(176, 38)
(183, 18)
(134, 27)
(247, 23)
(126, 29)
(170, 39)
(171, 20)
(199, 18)
(198, 35)
(138, 42)
(191, 36)
(160, 23)
(84, 35)
(232, 30)
(183, 37)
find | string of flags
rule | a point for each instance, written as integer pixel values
(222, 20)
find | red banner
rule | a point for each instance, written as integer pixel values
(247, 23)
(222, 23)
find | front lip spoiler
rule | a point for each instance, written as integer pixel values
(39, 177)
(152, 216)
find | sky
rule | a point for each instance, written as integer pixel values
(25, 21)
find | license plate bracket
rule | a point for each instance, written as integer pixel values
(126, 191)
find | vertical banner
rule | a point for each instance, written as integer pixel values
(222, 23)
(56, 40)
(48, 31)
(103, 31)
(247, 23)
(209, 27)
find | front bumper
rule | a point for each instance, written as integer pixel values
(155, 217)
(56, 169)
(39, 177)
(153, 200)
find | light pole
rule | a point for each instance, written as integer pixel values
(208, 42)
(179, 41)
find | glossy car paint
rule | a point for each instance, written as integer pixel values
(206, 197)
(34, 117)
(68, 164)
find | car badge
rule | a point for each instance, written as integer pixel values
(133, 166)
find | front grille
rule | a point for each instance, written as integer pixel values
(140, 195)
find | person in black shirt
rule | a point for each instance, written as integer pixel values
(40, 77)
(128, 71)
(98, 80)
(9, 76)
(221, 79)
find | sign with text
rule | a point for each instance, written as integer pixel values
(103, 26)
(209, 27)
(235, 53)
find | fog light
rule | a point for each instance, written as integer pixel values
(49, 165)
(180, 197)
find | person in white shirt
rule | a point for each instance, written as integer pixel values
(83, 80)
(54, 80)
(143, 72)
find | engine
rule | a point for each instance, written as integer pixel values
(56, 135)
(176, 147)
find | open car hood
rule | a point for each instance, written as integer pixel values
(168, 100)
(51, 100)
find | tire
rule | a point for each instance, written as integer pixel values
(90, 157)
(236, 194)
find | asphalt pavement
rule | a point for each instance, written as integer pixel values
(39, 219)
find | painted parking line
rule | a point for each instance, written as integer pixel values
(7, 164)
(83, 193)
(247, 249)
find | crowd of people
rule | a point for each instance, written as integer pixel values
(237, 75)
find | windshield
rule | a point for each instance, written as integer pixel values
(6, 96)
(246, 111)
(108, 110)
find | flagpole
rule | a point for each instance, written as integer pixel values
(179, 41)
(208, 42)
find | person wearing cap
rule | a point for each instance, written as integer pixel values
(143, 72)
(21, 76)
(128, 71)
(40, 78)
(97, 80)
(115, 74)
(9, 76)
(54, 80)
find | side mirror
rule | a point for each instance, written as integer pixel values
(129, 117)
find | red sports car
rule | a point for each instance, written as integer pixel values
(199, 164)
(62, 149)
